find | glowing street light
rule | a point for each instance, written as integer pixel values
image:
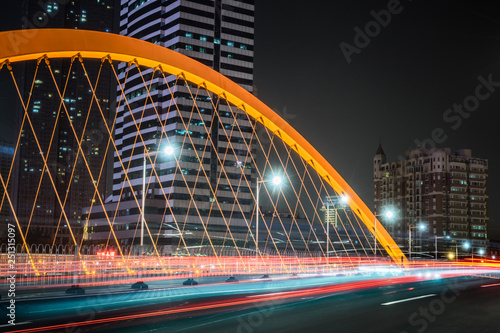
(421, 227)
(168, 150)
(389, 214)
(344, 199)
(466, 246)
(436, 244)
(276, 180)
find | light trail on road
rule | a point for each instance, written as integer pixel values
(350, 286)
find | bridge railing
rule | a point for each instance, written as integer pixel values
(47, 266)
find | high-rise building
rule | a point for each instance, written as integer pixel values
(219, 34)
(330, 213)
(445, 191)
(41, 190)
(333, 207)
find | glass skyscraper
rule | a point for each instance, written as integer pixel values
(41, 190)
(194, 189)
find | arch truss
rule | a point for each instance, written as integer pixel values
(206, 153)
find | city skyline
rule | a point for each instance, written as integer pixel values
(249, 165)
(436, 63)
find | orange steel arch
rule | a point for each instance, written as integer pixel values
(22, 45)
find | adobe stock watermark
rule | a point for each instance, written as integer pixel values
(363, 37)
(422, 318)
(11, 273)
(455, 115)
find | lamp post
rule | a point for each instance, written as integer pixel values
(276, 180)
(169, 150)
(421, 226)
(481, 252)
(327, 227)
(456, 250)
(389, 214)
(466, 246)
(436, 245)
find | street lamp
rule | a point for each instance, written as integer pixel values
(421, 226)
(466, 246)
(389, 214)
(436, 245)
(276, 180)
(168, 150)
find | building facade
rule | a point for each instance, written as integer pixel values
(48, 195)
(334, 207)
(193, 190)
(445, 191)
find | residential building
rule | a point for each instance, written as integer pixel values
(444, 190)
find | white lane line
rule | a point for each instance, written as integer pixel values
(490, 285)
(408, 299)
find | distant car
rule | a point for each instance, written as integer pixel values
(232, 279)
(189, 282)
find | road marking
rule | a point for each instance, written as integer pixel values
(408, 299)
(490, 285)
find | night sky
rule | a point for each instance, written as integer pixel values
(396, 89)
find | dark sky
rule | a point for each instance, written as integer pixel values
(397, 89)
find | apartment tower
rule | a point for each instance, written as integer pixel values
(446, 192)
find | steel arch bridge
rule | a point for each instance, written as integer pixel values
(46, 45)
